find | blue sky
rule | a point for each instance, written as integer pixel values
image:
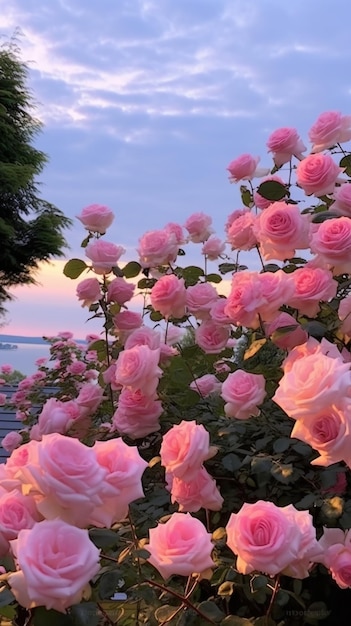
(145, 102)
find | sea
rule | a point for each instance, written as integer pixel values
(23, 359)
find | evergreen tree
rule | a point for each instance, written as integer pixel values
(31, 229)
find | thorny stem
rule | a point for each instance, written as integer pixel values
(187, 594)
(261, 259)
(183, 599)
(274, 593)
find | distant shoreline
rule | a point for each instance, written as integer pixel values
(32, 340)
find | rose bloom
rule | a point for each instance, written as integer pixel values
(11, 441)
(184, 448)
(89, 398)
(181, 546)
(206, 385)
(336, 548)
(176, 230)
(317, 174)
(158, 247)
(331, 242)
(17, 511)
(212, 337)
(244, 300)
(137, 368)
(243, 392)
(280, 230)
(344, 314)
(104, 255)
(127, 320)
(77, 368)
(267, 538)
(312, 384)
(200, 492)
(168, 296)
(144, 336)
(286, 340)
(245, 167)
(311, 286)
(329, 129)
(276, 288)
(119, 290)
(213, 248)
(261, 202)
(240, 233)
(96, 218)
(6, 368)
(200, 298)
(199, 227)
(285, 143)
(312, 346)
(55, 417)
(137, 415)
(342, 200)
(55, 562)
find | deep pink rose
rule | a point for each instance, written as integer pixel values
(281, 230)
(212, 337)
(342, 200)
(184, 448)
(245, 167)
(199, 227)
(289, 339)
(243, 393)
(181, 546)
(213, 248)
(206, 385)
(261, 202)
(240, 231)
(200, 298)
(317, 174)
(11, 441)
(200, 492)
(96, 218)
(119, 290)
(137, 415)
(137, 368)
(311, 286)
(331, 243)
(103, 254)
(329, 129)
(168, 296)
(284, 143)
(158, 247)
(55, 562)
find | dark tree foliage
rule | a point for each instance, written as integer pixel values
(31, 229)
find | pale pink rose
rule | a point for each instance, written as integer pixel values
(127, 320)
(65, 478)
(144, 336)
(200, 492)
(240, 233)
(342, 200)
(89, 398)
(213, 248)
(243, 393)
(310, 551)
(89, 291)
(158, 247)
(221, 366)
(290, 339)
(119, 290)
(328, 432)
(245, 167)
(217, 313)
(177, 231)
(336, 546)
(284, 143)
(109, 377)
(137, 415)
(104, 255)
(77, 368)
(331, 243)
(168, 296)
(55, 417)
(245, 299)
(311, 286)
(181, 546)
(344, 314)
(184, 448)
(317, 174)
(11, 441)
(92, 337)
(14, 468)
(276, 289)
(55, 562)
(261, 202)
(137, 368)
(199, 227)
(312, 346)
(281, 230)
(312, 384)
(266, 538)
(329, 129)
(200, 298)
(212, 337)
(6, 368)
(16, 512)
(96, 218)
(206, 385)
(124, 467)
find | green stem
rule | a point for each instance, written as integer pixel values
(183, 599)
(274, 593)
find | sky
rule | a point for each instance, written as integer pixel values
(145, 102)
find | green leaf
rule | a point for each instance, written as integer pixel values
(272, 190)
(214, 278)
(315, 329)
(281, 444)
(226, 588)
(284, 473)
(131, 270)
(100, 347)
(324, 216)
(6, 597)
(84, 614)
(211, 610)
(246, 197)
(225, 268)
(74, 268)
(109, 583)
(156, 316)
(147, 283)
(8, 611)
(192, 274)
(165, 612)
(271, 267)
(42, 617)
(346, 163)
(231, 462)
(85, 241)
(103, 537)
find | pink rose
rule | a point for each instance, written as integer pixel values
(212, 337)
(96, 218)
(276, 289)
(206, 385)
(344, 313)
(311, 286)
(199, 227)
(280, 230)
(200, 298)
(267, 538)
(104, 255)
(144, 336)
(181, 546)
(127, 320)
(261, 202)
(55, 562)
(336, 547)
(158, 247)
(243, 393)
(119, 290)
(184, 448)
(177, 231)
(331, 242)
(329, 129)
(89, 398)
(55, 417)
(312, 346)
(245, 167)
(11, 441)
(213, 248)
(240, 231)
(77, 368)
(285, 143)
(342, 200)
(16, 512)
(290, 339)
(244, 300)
(6, 368)
(200, 492)
(137, 368)
(317, 174)
(168, 296)
(137, 415)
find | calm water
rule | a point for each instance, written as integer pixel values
(23, 359)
